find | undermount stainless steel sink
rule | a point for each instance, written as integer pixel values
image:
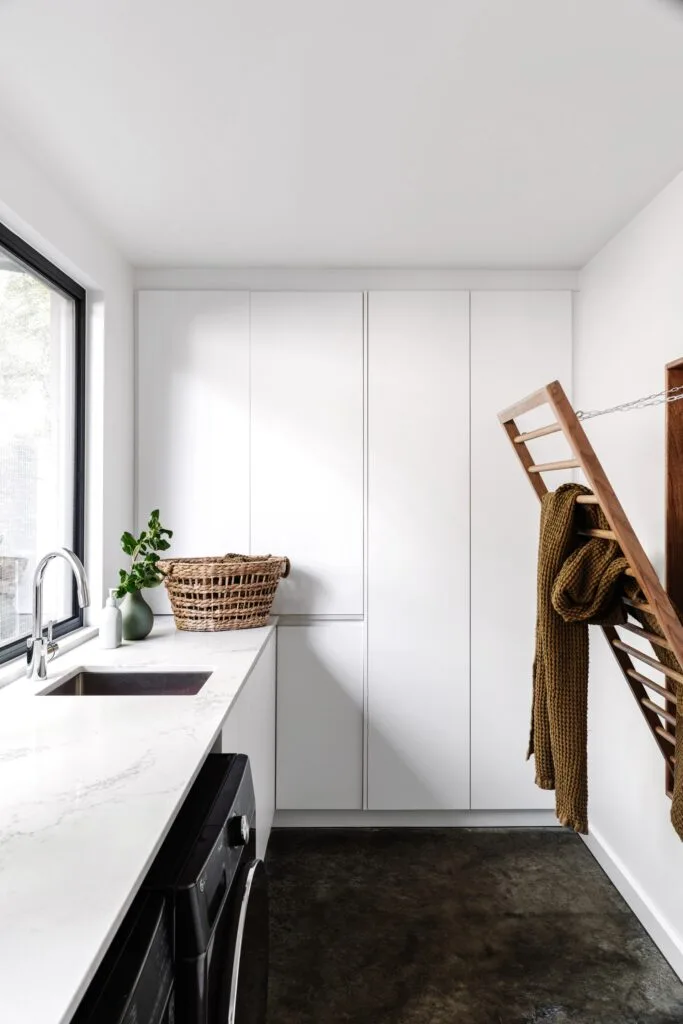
(93, 683)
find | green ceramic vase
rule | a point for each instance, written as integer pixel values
(137, 616)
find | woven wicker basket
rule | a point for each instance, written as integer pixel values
(212, 594)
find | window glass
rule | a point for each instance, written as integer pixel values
(37, 444)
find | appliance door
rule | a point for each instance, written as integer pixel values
(135, 983)
(238, 974)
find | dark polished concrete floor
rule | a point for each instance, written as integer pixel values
(460, 926)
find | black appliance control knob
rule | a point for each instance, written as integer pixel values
(238, 830)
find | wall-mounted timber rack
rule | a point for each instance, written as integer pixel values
(656, 699)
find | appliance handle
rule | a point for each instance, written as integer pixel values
(216, 907)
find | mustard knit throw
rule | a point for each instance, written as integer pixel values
(579, 581)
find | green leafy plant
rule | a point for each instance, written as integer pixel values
(143, 551)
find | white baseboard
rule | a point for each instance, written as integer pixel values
(414, 819)
(660, 930)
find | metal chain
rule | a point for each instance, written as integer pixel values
(659, 398)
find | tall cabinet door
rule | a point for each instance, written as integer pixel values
(418, 551)
(307, 446)
(520, 341)
(193, 420)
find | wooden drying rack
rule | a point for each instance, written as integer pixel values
(660, 719)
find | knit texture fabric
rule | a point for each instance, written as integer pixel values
(668, 658)
(579, 581)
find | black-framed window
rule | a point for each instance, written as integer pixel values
(42, 442)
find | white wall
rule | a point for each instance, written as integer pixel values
(33, 207)
(628, 324)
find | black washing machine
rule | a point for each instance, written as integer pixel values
(193, 949)
(134, 983)
(216, 888)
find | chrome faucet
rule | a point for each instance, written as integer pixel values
(39, 646)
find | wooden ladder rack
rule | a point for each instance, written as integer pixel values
(660, 719)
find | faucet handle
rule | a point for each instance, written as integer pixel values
(52, 646)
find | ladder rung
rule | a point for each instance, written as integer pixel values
(659, 711)
(552, 428)
(629, 572)
(666, 735)
(652, 662)
(643, 606)
(587, 499)
(604, 534)
(666, 694)
(546, 467)
(654, 638)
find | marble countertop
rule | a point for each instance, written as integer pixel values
(88, 789)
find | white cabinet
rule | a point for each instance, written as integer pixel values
(267, 424)
(520, 341)
(193, 420)
(320, 716)
(250, 729)
(307, 446)
(418, 551)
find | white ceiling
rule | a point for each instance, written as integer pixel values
(461, 133)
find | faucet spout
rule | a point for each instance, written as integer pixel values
(38, 646)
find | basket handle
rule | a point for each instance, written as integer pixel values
(284, 571)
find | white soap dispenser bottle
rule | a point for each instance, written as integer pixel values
(111, 626)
